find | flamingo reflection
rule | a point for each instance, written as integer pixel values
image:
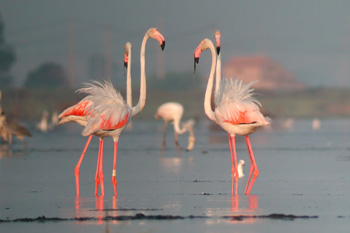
(250, 204)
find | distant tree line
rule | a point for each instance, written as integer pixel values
(7, 58)
(47, 75)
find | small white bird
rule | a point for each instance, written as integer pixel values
(240, 168)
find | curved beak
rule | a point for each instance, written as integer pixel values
(162, 45)
(218, 50)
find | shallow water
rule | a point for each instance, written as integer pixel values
(302, 172)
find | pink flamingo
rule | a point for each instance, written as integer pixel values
(172, 111)
(236, 111)
(79, 113)
(110, 113)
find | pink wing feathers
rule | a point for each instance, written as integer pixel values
(235, 103)
(109, 109)
(80, 109)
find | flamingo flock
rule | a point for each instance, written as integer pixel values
(104, 112)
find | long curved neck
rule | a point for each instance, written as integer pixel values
(208, 93)
(142, 99)
(218, 73)
(177, 128)
(128, 81)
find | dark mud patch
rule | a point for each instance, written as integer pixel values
(141, 216)
(128, 209)
(271, 216)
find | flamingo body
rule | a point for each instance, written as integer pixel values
(170, 111)
(236, 111)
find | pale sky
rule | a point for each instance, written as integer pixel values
(310, 38)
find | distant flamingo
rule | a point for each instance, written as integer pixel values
(110, 113)
(172, 111)
(43, 125)
(236, 111)
(79, 113)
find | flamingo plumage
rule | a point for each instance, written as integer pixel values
(110, 113)
(236, 111)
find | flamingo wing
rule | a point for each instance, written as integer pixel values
(80, 109)
(235, 103)
(110, 111)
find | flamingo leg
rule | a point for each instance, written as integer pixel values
(164, 135)
(232, 143)
(97, 180)
(114, 172)
(254, 172)
(177, 143)
(101, 176)
(77, 167)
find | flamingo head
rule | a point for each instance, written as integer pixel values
(127, 48)
(217, 36)
(155, 34)
(201, 47)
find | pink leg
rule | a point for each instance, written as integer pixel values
(97, 180)
(234, 164)
(254, 172)
(101, 176)
(114, 172)
(77, 167)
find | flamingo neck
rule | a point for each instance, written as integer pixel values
(177, 128)
(142, 99)
(208, 93)
(218, 73)
(128, 82)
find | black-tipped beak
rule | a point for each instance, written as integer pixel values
(125, 64)
(196, 61)
(218, 50)
(162, 45)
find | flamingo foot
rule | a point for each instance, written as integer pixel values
(97, 181)
(76, 172)
(234, 182)
(102, 186)
(249, 186)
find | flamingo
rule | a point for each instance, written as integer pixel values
(43, 125)
(110, 114)
(172, 111)
(217, 36)
(236, 111)
(79, 113)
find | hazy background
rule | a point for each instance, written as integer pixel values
(309, 38)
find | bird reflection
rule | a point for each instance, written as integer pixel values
(251, 200)
(99, 201)
(250, 204)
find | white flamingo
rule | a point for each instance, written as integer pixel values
(172, 112)
(236, 111)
